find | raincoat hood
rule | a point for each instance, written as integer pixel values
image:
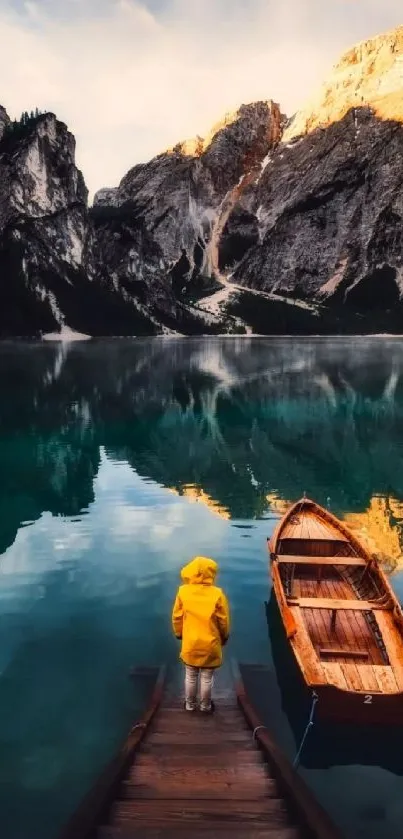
(201, 570)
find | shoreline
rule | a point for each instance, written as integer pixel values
(76, 337)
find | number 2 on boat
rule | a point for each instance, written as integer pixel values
(368, 699)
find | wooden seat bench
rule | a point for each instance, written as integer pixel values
(330, 651)
(335, 606)
(320, 560)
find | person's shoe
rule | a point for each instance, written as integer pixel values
(189, 706)
(209, 710)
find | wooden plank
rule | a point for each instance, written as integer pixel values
(197, 792)
(211, 749)
(334, 675)
(197, 738)
(367, 638)
(320, 560)
(304, 651)
(325, 529)
(386, 679)
(181, 757)
(317, 530)
(325, 635)
(352, 676)
(193, 812)
(349, 637)
(224, 712)
(343, 652)
(196, 724)
(357, 633)
(393, 643)
(209, 830)
(346, 638)
(180, 774)
(369, 680)
(334, 631)
(329, 603)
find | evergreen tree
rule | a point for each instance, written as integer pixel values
(32, 115)
(37, 112)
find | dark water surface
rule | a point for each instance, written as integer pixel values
(120, 460)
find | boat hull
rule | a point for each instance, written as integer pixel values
(341, 619)
(331, 742)
(339, 705)
(334, 704)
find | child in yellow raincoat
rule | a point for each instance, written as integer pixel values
(200, 619)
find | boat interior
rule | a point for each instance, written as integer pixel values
(342, 601)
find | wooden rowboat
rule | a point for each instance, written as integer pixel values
(341, 617)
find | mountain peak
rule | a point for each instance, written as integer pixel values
(370, 74)
(196, 146)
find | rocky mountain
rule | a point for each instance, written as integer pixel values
(329, 204)
(266, 225)
(47, 271)
(158, 232)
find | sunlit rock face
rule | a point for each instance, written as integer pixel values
(329, 203)
(170, 206)
(369, 75)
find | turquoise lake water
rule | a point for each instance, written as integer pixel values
(119, 461)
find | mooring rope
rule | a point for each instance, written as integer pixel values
(308, 727)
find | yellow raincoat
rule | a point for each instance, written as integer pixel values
(200, 614)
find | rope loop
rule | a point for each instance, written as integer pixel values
(138, 725)
(255, 730)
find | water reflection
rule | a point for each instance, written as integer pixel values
(119, 460)
(240, 424)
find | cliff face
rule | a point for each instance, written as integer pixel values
(47, 272)
(370, 74)
(42, 220)
(329, 210)
(329, 205)
(169, 208)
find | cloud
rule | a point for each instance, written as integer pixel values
(132, 78)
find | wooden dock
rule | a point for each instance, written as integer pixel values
(187, 775)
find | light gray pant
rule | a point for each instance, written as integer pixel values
(191, 685)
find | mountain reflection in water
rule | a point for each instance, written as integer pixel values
(119, 460)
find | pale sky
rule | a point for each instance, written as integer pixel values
(133, 78)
